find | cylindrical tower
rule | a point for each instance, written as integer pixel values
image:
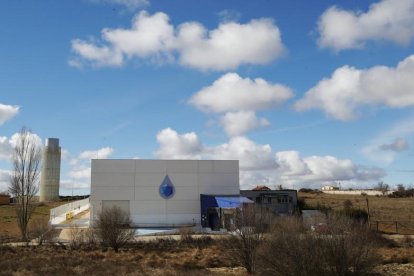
(50, 178)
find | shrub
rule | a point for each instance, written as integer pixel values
(41, 229)
(112, 228)
(290, 249)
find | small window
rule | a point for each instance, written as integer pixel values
(258, 200)
(269, 200)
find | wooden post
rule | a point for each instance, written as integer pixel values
(377, 225)
(396, 227)
(369, 217)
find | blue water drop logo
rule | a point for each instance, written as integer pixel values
(167, 188)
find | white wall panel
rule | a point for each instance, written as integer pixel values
(226, 166)
(113, 179)
(182, 166)
(183, 179)
(183, 207)
(113, 193)
(147, 193)
(220, 179)
(206, 166)
(151, 166)
(149, 179)
(102, 165)
(144, 207)
(185, 193)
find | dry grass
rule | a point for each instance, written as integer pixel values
(156, 258)
(381, 208)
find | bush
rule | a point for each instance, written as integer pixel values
(112, 228)
(82, 237)
(290, 249)
(41, 229)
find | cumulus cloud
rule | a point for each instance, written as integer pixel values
(4, 180)
(399, 144)
(7, 112)
(178, 146)
(102, 153)
(232, 93)
(387, 20)
(260, 165)
(152, 37)
(173, 145)
(239, 123)
(349, 89)
(322, 169)
(131, 5)
(70, 184)
(80, 173)
(7, 144)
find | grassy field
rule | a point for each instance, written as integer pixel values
(384, 209)
(8, 220)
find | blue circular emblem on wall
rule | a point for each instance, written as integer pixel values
(167, 189)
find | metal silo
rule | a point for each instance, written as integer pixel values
(50, 178)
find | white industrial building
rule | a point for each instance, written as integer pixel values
(160, 192)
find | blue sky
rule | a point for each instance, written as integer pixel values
(302, 93)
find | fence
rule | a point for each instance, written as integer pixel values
(404, 227)
(58, 214)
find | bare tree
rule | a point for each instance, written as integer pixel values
(26, 160)
(250, 227)
(113, 227)
(383, 187)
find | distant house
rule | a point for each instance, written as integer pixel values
(4, 199)
(276, 201)
(329, 188)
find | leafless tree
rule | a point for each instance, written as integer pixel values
(383, 187)
(249, 230)
(26, 160)
(113, 227)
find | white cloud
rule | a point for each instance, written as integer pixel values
(399, 144)
(153, 37)
(230, 45)
(102, 153)
(131, 5)
(178, 146)
(4, 180)
(251, 156)
(233, 93)
(7, 144)
(7, 112)
(239, 123)
(97, 56)
(260, 165)
(70, 184)
(386, 20)
(349, 89)
(5, 148)
(375, 151)
(80, 173)
(316, 170)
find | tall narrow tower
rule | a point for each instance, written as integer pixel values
(50, 178)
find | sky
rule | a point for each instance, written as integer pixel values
(302, 93)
